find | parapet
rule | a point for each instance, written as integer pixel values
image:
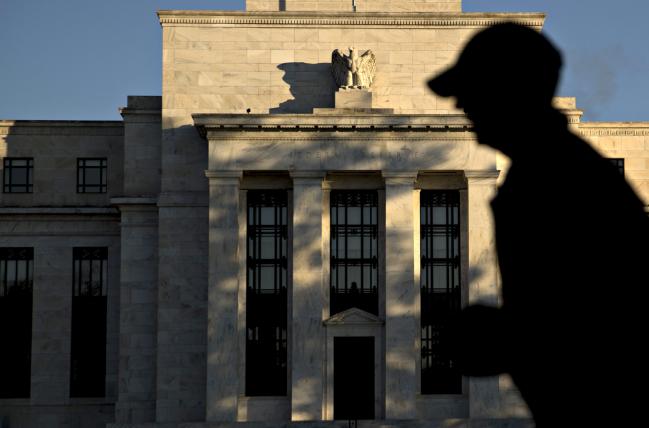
(354, 5)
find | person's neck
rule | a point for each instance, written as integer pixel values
(537, 136)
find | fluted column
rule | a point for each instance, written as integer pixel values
(308, 299)
(484, 398)
(401, 296)
(222, 301)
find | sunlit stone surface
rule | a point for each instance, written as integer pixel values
(249, 102)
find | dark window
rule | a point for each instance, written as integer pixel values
(88, 350)
(619, 164)
(266, 300)
(18, 175)
(354, 251)
(16, 276)
(91, 175)
(440, 289)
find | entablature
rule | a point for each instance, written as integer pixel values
(347, 19)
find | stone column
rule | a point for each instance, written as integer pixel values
(138, 308)
(401, 297)
(484, 398)
(222, 297)
(307, 341)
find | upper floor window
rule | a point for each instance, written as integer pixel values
(354, 251)
(619, 164)
(91, 175)
(18, 175)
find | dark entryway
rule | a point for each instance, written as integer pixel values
(353, 378)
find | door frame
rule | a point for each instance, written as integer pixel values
(355, 323)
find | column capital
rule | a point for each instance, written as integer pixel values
(400, 178)
(224, 177)
(482, 177)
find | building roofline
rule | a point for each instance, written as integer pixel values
(642, 124)
(62, 127)
(60, 123)
(381, 19)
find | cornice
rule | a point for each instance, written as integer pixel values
(210, 124)
(62, 127)
(614, 129)
(338, 19)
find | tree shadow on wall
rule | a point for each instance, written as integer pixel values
(310, 85)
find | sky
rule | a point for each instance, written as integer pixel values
(79, 59)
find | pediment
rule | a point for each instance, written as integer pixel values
(353, 316)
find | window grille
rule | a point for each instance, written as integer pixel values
(619, 164)
(89, 306)
(16, 284)
(266, 297)
(354, 251)
(440, 289)
(91, 175)
(18, 175)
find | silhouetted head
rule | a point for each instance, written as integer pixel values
(506, 74)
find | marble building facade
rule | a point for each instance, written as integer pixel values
(249, 108)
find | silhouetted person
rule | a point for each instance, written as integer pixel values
(572, 241)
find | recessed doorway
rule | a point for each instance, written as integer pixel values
(353, 378)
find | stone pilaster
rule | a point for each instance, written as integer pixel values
(138, 308)
(401, 296)
(484, 401)
(308, 298)
(222, 307)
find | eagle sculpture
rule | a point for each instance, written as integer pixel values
(353, 71)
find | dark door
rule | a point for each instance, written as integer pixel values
(353, 378)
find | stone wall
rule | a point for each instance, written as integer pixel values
(54, 219)
(626, 140)
(53, 235)
(55, 147)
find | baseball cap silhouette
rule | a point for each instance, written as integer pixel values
(503, 60)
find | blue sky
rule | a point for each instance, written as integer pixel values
(79, 59)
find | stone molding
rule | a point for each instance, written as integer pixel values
(132, 115)
(62, 127)
(58, 210)
(482, 177)
(209, 124)
(224, 178)
(133, 200)
(342, 19)
(400, 178)
(353, 316)
(613, 132)
(332, 136)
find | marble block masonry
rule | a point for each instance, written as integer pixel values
(249, 102)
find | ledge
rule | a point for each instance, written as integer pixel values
(357, 122)
(319, 19)
(125, 200)
(62, 127)
(58, 210)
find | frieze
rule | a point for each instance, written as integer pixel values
(614, 132)
(337, 20)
